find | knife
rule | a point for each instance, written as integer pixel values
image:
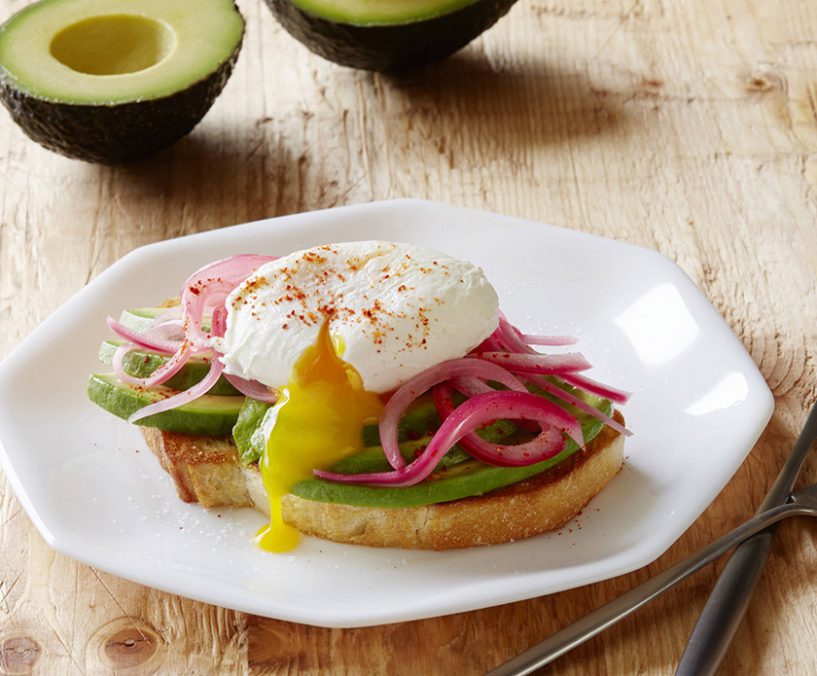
(727, 603)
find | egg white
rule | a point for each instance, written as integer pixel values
(393, 309)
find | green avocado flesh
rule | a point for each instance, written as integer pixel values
(247, 432)
(107, 80)
(369, 12)
(386, 35)
(142, 363)
(209, 415)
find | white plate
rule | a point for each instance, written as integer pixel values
(96, 494)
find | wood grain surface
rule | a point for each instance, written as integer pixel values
(688, 127)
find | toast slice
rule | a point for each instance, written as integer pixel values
(207, 470)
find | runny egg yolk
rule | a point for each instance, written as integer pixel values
(318, 420)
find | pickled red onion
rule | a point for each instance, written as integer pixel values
(490, 344)
(170, 330)
(166, 371)
(144, 339)
(503, 454)
(550, 341)
(441, 395)
(510, 337)
(467, 417)
(183, 397)
(252, 388)
(556, 391)
(595, 387)
(538, 363)
(209, 287)
(470, 386)
(413, 388)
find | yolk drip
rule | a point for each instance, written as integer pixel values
(318, 420)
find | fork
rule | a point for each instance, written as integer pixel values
(800, 503)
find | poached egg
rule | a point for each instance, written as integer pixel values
(333, 329)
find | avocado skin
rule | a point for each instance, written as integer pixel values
(114, 133)
(390, 47)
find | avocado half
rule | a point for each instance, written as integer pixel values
(387, 35)
(111, 80)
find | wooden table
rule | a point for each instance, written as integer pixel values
(687, 127)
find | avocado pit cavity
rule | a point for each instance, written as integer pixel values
(116, 44)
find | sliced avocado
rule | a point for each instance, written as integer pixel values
(247, 430)
(462, 480)
(141, 363)
(372, 459)
(387, 35)
(209, 415)
(108, 81)
(141, 318)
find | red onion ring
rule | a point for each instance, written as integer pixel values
(170, 330)
(509, 337)
(442, 397)
(219, 322)
(174, 312)
(209, 287)
(493, 453)
(166, 371)
(490, 344)
(443, 400)
(475, 413)
(551, 341)
(413, 388)
(582, 405)
(184, 397)
(144, 339)
(595, 387)
(471, 387)
(252, 388)
(543, 364)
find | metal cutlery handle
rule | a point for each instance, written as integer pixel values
(727, 603)
(577, 633)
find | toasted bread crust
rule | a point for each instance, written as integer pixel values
(207, 470)
(204, 469)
